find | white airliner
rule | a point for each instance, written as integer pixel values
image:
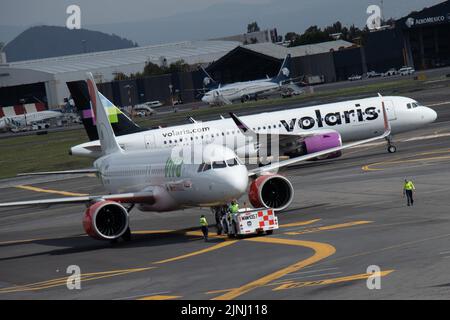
(244, 91)
(27, 119)
(173, 178)
(298, 131)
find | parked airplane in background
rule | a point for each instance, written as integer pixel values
(23, 120)
(173, 178)
(244, 91)
(299, 131)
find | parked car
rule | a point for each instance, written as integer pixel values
(390, 72)
(154, 104)
(373, 74)
(355, 77)
(143, 108)
(406, 71)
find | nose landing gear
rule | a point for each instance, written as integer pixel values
(391, 148)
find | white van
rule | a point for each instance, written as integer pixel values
(406, 71)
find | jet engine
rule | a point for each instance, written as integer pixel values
(106, 220)
(271, 191)
(317, 143)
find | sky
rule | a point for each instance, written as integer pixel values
(94, 12)
(160, 21)
(53, 12)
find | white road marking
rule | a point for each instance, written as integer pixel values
(143, 295)
(433, 136)
(438, 104)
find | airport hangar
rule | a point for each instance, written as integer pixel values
(44, 80)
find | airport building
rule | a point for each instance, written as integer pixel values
(44, 80)
(426, 36)
(257, 61)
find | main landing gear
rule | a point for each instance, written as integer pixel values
(127, 234)
(391, 148)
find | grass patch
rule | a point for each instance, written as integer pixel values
(34, 153)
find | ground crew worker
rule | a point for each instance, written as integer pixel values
(204, 226)
(408, 190)
(233, 209)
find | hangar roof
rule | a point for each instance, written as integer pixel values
(280, 52)
(190, 51)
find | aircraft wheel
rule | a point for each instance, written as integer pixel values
(127, 235)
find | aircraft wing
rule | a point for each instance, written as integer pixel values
(140, 197)
(220, 98)
(281, 137)
(289, 162)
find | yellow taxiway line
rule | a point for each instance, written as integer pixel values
(294, 285)
(196, 253)
(63, 281)
(159, 297)
(321, 251)
(63, 193)
(330, 227)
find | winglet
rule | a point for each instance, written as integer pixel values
(387, 123)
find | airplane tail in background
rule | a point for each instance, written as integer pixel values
(120, 122)
(103, 117)
(285, 71)
(208, 82)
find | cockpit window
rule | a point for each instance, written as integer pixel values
(409, 106)
(207, 167)
(219, 164)
(201, 167)
(232, 162)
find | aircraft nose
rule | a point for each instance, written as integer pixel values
(205, 99)
(236, 180)
(432, 115)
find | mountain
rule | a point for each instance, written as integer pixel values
(8, 33)
(49, 41)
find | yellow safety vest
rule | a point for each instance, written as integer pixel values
(409, 185)
(203, 222)
(234, 208)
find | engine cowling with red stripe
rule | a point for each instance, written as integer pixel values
(106, 220)
(271, 191)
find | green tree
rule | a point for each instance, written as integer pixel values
(253, 27)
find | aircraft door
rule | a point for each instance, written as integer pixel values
(390, 110)
(150, 141)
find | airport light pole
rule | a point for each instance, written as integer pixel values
(129, 86)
